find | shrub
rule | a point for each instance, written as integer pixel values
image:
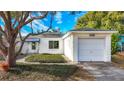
(46, 54)
(114, 45)
(46, 58)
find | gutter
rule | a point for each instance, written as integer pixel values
(88, 32)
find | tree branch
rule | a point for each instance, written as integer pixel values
(34, 18)
(23, 40)
(17, 17)
(3, 32)
(21, 22)
(3, 17)
(22, 43)
(20, 36)
(2, 45)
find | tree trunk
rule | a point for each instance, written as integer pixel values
(11, 59)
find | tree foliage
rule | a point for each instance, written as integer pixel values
(105, 21)
(102, 20)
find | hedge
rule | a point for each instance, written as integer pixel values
(46, 58)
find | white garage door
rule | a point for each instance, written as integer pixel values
(91, 49)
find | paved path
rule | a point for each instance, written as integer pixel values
(104, 71)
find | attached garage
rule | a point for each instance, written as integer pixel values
(91, 49)
(88, 46)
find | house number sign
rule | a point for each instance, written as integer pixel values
(92, 35)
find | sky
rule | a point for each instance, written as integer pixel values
(62, 20)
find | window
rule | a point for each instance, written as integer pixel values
(53, 44)
(33, 45)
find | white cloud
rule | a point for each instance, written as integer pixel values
(24, 32)
(45, 19)
(38, 25)
(56, 27)
(58, 18)
(76, 18)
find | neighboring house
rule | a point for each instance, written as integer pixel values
(77, 45)
(121, 43)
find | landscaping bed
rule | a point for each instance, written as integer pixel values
(118, 60)
(46, 58)
(27, 72)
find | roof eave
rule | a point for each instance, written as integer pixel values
(109, 32)
(88, 32)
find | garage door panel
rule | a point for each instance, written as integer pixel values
(91, 52)
(84, 52)
(91, 49)
(97, 52)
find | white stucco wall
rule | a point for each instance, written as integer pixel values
(68, 47)
(71, 45)
(27, 48)
(107, 43)
(108, 48)
(44, 46)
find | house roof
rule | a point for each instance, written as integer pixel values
(55, 34)
(89, 29)
(48, 35)
(89, 32)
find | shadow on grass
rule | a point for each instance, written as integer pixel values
(22, 56)
(37, 70)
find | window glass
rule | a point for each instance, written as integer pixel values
(33, 45)
(53, 44)
(50, 44)
(56, 44)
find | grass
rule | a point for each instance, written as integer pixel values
(45, 73)
(118, 60)
(46, 58)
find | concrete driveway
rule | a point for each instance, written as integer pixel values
(104, 71)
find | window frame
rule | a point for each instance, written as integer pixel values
(33, 47)
(53, 44)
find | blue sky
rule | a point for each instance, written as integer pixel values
(63, 20)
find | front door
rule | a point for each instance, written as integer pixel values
(33, 47)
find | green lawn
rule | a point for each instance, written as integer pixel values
(46, 58)
(45, 72)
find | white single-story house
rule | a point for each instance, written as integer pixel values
(78, 46)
